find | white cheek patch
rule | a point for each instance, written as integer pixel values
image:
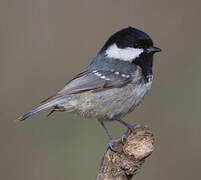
(126, 54)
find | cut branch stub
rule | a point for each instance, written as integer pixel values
(128, 158)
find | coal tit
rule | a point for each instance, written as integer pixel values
(115, 82)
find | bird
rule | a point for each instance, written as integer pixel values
(112, 85)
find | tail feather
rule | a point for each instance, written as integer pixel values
(39, 108)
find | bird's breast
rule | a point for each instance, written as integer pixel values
(106, 105)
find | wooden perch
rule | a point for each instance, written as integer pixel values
(128, 159)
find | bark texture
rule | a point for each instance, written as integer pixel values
(128, 158)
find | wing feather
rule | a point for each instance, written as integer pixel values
(95, 81)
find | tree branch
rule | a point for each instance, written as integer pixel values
(128, 159)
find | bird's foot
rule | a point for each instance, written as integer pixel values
(129, 130)
(111, 144)
(125, 135)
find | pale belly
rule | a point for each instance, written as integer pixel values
(106, 105)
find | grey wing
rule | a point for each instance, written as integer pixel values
(96, 80)
(93, 81)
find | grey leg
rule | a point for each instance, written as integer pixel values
(112, 139)
(129, 126)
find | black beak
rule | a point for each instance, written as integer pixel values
(153, 49)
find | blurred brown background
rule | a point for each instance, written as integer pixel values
(44, 43)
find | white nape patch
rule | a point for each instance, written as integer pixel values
(126, 54)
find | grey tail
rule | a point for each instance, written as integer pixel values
(40, 108)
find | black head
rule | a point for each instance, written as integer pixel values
(131, 45)
(133, 38)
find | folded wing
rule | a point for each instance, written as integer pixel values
(89, 80)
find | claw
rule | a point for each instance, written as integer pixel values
(125, 135)
(111, 144)
(131, 126)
